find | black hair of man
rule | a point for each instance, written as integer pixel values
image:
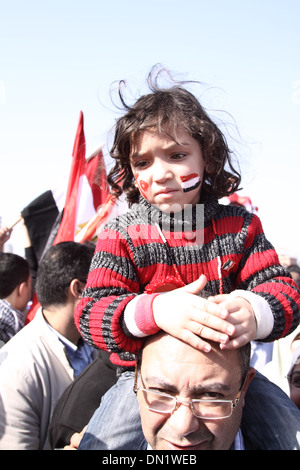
(13, 271)
(59, 266)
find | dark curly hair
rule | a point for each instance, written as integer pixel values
(167, 110)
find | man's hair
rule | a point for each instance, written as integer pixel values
(244, 358)
(169, 110)
(13, 271)
(59, 266)
(294, 268)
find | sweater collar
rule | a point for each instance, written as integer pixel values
(188, 217)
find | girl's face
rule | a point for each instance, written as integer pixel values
(168, 174)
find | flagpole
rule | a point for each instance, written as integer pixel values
(99, 219)
(15, 223)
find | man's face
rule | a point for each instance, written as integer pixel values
(172, 367)
(295, 385)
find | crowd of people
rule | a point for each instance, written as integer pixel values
(179, 330)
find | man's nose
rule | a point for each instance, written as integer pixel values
(183, 420)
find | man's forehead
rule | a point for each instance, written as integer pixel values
(170, 353)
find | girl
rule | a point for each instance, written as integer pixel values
(179, 260)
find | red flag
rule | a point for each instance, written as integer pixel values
(94, 191)
(95, 173)
(66, 231)
(87, 190)
(99, 219)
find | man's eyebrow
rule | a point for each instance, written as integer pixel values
(212, 387)
(155, 382)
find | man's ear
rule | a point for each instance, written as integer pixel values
(23, 288)
(22, 294)
(250, 377)
(76, 288)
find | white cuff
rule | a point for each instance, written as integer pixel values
(262, 311)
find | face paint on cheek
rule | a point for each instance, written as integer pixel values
(143, 188)
(190, 182)
(142, 185)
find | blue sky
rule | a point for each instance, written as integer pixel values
(60, 57)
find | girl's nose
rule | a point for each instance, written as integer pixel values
(161, 171)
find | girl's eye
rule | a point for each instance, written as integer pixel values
(140, 164)
(178, 156)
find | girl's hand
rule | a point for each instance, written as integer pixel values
(189, 317)
(241, 315)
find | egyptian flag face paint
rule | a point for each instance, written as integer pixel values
(190, 182)
(142, 185)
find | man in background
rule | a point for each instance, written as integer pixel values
(38, 363)
(15, 292)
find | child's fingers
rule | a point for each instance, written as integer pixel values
(236, 342)
(211, 308)
(209, 314)
(196, 286)
(209, 333)
(221, 299)
(209, 326)
(195, 341)
(218, 298)
(245, 332)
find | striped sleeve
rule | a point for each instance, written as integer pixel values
(261, 273)
(112, 283)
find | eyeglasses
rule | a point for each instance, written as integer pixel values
(206, 409)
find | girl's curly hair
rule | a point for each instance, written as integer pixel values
(167, 110)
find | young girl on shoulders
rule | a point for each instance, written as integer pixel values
(179, 260)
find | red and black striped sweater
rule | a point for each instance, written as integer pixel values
(145, 249)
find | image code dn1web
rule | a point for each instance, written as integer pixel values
(170, 459)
